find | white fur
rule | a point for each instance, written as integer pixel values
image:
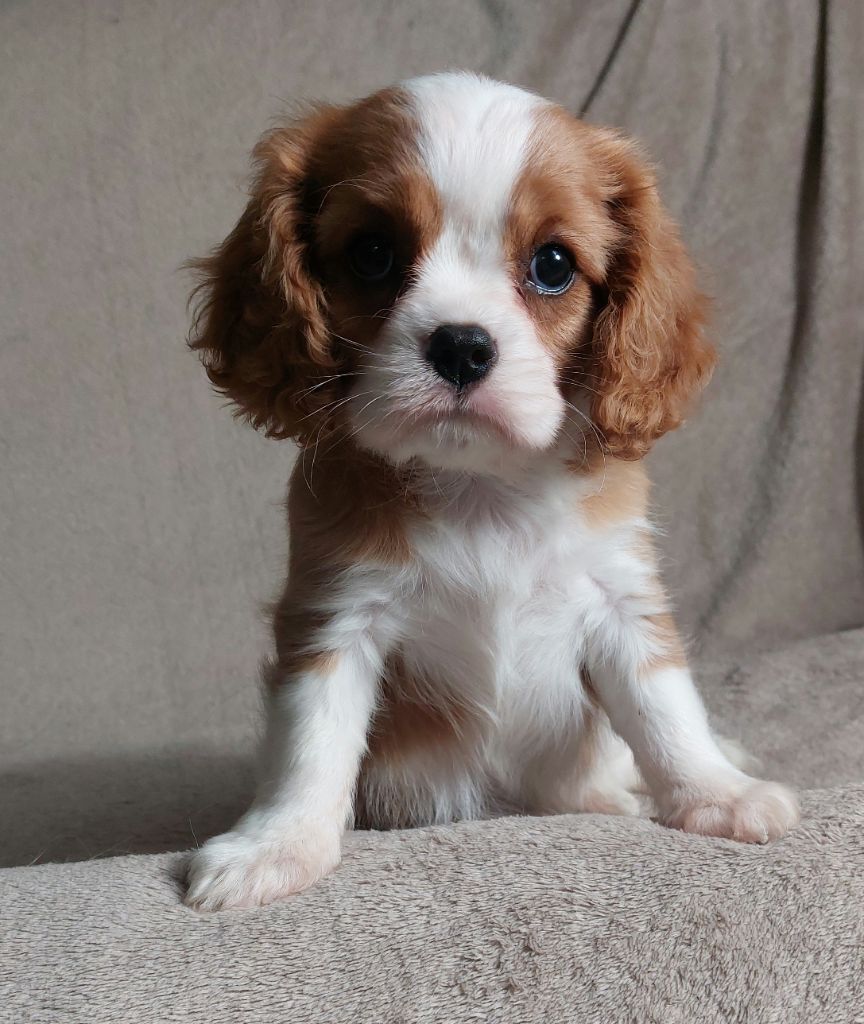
(474, 135)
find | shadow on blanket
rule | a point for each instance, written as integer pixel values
(75, 810)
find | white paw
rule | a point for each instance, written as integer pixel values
(596, 800)
(748, 810)
(248, 870)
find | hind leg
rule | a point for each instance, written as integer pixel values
(607, 781)
(593, 772)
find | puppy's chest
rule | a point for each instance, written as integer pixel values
(496, 593)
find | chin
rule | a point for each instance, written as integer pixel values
(477, 431)
(474, 316)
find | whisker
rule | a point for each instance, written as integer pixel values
(315, 455)
(579, 384)
(351, 342)
(370, 402)
(341, 437)
(337, 403)
(600, 437)
(359, 179)
(379, 315)
(323, 381)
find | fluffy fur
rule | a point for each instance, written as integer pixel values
(473, 622)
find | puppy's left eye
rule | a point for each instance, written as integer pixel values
(551, 270)
(371, 257)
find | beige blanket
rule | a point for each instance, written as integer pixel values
(581, 918)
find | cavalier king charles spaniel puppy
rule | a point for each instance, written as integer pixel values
(475, 317)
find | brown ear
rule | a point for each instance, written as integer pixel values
(649, 357)
(260, 315)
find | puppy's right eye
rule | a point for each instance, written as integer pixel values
(371, 257)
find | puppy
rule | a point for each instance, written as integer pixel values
(475, 317)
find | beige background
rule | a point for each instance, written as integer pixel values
(140, 528)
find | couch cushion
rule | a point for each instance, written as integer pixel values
(578, 918)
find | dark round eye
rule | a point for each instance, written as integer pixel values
(371, 257)
(551, 270)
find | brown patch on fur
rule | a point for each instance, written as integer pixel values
(278, 291)
(407, 732)
(545, 209)
(397, 200)
(649, 358)
(349, 507)
(298, 632)
(643, 357)
(665, 633)
(406, 722)
(549, 205)
(323, 662)
(642, 545)
(622, 493)
(296, 659)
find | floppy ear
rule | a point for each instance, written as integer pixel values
(649, 357)
(259, 321)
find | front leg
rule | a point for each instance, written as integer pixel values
(642, 680)
(318, 716)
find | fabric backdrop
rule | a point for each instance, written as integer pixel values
(141, 528)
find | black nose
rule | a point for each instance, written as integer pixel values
(461, 353)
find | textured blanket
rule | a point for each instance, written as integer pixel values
(579, 918)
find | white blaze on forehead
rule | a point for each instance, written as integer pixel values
(473, 139)
(474, 136)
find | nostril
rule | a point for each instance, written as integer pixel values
(461, 353)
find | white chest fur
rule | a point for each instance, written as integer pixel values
(493, 614)
(490, 602)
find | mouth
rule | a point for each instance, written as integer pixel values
(476, 425)
(460, 415)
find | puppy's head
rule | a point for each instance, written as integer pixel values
(453, 271)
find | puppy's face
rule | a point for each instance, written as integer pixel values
(453, 271)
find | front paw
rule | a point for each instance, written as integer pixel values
(249, 869)
(745, 809)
